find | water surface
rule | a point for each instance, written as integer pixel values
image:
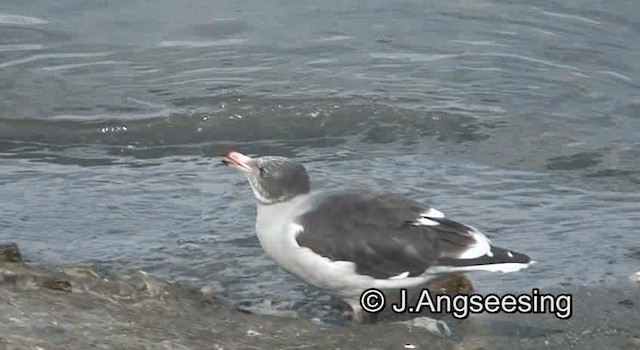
(521, 120)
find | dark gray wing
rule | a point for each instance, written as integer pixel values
(387, 235)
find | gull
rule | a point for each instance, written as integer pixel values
(345, 241)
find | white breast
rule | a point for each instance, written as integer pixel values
(272, 228)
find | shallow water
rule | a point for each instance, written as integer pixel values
(523, 121)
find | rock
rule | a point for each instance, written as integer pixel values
(64, 286)
(74, 308)
(10, 253)
(79, 271)
(451, 284)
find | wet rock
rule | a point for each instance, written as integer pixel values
(64, 286)
(10, 253)
(79, 271)
(139, 311)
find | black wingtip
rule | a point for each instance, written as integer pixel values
(497, 256)
(501, 255)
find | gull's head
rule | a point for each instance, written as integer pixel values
(272, 179)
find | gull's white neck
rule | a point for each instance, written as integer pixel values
(273, 216)
(273, 221)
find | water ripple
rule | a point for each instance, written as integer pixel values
(46, 56)
(20, 47)
(198, 44)
(21, 20)
(568, 16)
(526, 59)
(81, 65)
(479, 42)
(413, 57)
(615, 74)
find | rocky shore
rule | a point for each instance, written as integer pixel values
(72, 307)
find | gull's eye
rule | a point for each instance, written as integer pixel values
(263, 172)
